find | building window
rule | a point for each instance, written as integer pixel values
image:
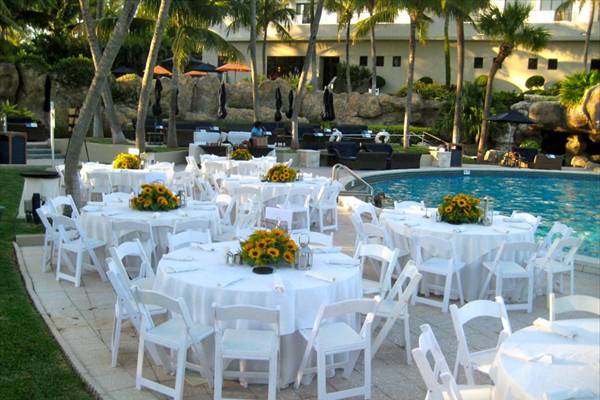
(303, 9)
(532, 63)
(379, 61)
(595, 64)
(396, 61)
(552, 63)
(363, 61)
(478, 62)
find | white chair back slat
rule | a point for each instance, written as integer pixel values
(132, 249)
(59, 204)
(429, 348)
(183, 239)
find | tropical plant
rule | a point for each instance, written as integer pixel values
(74, 72)
(573, 87)
(535, 81)
(265, 247)
(358, 76)
(426, 90)
(92, 97)
(12, 110)
(509, 30)
(481, 80)
(293, 80)
(345, 11)
(530, 144)
(426, 79)
(276, 14)
(566, 6)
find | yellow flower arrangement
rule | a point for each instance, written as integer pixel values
(272, 247)
(127, 161)
(241, 154)
(281, 173)
(155, 197)
(459, 209)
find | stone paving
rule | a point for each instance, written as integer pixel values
(81, 320)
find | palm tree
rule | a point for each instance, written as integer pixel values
(344, 10)
(301, 89)
(509, 30)
(90, 28)
(460, 10)
(145, 91)
(566, 6)
(367, 26)
(276, 14)
(93, 95)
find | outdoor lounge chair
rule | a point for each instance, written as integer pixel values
(547, 161)
(405, 160)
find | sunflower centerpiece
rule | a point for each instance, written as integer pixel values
(155, 197)
(241, 154)
(127, 161)
(459, 209)
(281, 173)
(269, 247)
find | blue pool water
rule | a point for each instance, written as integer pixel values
(570, 199)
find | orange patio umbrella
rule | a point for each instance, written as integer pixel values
(159, 70)
(235, 67)
(196, 73)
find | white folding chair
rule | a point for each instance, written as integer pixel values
(529, 218)
(246, 168)
(51, 235)
(573, 303)
(366, 212)
(61, 204)
(330, 336)
(206, 191)
(383, 260)
(559, 259)
(183, 181)
(126, 308)
(124, 254)
(225, 204)
(455, 392)
(60, 169)
(432, 374)
(479, 360)
(165, 167)
(315, 238)
(183, 239)
(177, 333)
(437, 256)
(117, 197)
(395, 306)
(250, 344)
(77, 244)
(368, 232)
(128, 230)
(558, 230)
(99, 182)
(281, 217)
(191, 224)
(504, 267)
(191, 167)
(409, 205)
(325, 206)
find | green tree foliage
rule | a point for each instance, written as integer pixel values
(573, 87)
(74, 71)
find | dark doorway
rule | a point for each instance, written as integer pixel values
(283, 66)
(329, 69)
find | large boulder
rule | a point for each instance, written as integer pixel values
(591, 109)
(9, 81)
(266, 92)
(575, 118)
(369, 107)
(239, 94)
(205, 97)
(575, 145)
(547, 113)
(391, 104)
(126, 115)
(312, 106)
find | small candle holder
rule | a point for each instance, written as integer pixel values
(304, 255)
(487, 217)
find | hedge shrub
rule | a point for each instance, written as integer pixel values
(426, 79)
(426, 90)
(126, 88)
(535, 81)
(74, 72)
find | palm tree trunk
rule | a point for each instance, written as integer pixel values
(146, 89)
(373, 57)
(109, 106)
(300, 91)
(486, 108)
(460, 68)
(93, 95)
(588, 33)
(314, 77)
(409, 81)
(97, 128)
(172, 131)
(348, 78)
(447, 50)
(253, 58)
(264, 52)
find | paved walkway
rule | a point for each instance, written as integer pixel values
(81, 320)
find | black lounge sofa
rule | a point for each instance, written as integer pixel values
(405, 160)
(353, 156)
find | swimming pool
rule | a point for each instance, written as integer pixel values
(572, 199)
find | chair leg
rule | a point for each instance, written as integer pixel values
(116, 340)
(303, 364)
(499, 282)
(461, 294)
(180, 372)
(549, 284)
(367, 372)
(140, 364)
(45, 255)
(407, 346)
(218, 389)
(530, 289)
(447, 291)
(486, 284)
(321, 375)
(78, 268)
(273, 374)
(59, 261)
(572, 273)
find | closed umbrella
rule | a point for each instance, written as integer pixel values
(222, 112)
(290, 110)
(325, 108)
(278, 104)
(47, 93)
(330, 106)
(161, 71)
(156, 110)
(195, 73)
(235, 67)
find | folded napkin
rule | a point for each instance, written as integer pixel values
(523, 227)
(325, 250)
(202, 246)
(552, 327)
(343, 262)
(566, 394)
(181, 268)
(278, 285)
(226, 281)
(175, 257)
(322, 277)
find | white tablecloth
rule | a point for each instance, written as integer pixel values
(299, 303)
(47, 188)
(217, 164)
(270, 190)
(97, 223)
(125, 179)
(574, 364)
(474, 243)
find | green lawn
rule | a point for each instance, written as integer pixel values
(32, 365)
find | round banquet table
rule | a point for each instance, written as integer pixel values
(126, 179)
(562, 368)
(271, 190)
(217, 164)
(96, 219)
(216, 282)
(474, 243)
